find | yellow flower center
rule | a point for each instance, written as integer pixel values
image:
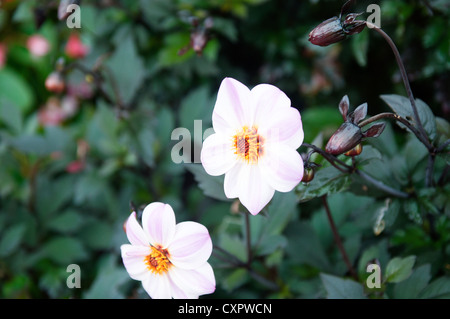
(248, 144)
(158, 261)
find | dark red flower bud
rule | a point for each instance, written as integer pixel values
(328, 32)
(344, 139)
(334, 30)
(355, 151)
(308, 174)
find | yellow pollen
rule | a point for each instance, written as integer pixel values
(158, 262)
(248, 145)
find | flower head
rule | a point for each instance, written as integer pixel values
(349, 134)
(257, 134)
(170, 259)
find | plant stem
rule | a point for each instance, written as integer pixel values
(381, 185)
(248, 239)
(337, 239)
(349, 169)
(405, 80)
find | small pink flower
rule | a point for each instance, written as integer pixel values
(257, 134)
(169, 259)
(75, 48)
(38, 45)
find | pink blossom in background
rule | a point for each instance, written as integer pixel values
(38, 45)
(169, 259)
(75, 48)
(257, 134)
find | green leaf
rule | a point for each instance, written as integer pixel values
(127, 69)
(339, 288)
(402, 106)
(108, 280)
(67, 222)
(10, 115)
(236, 279)
(327, 180)
(64, 250)
(304, 247)
(15, 89)
(399, 269)
(211, 186)
(11, 239)
(411, 287)
(438, 289)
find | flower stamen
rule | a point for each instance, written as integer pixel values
(248, 144)
(157, 261)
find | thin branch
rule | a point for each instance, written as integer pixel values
(404, 78)
(337, 239)
(381, 185)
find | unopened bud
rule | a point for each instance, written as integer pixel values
(334, 30)
(308, 174)
(328, 32)
(344, 139)
(355, 151)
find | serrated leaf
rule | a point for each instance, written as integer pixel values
(127, 69)
(339, 288)
(211, 186)
(411, 287)
(327, 180)
(399, 269)
(438, 289)
(402, 106)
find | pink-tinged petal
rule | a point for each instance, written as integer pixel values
(158, 221)
(133, 259)
(267, 100)
(177, 293)
(282, 167)
(135, 233)
(217, 156)
(191, 247)
(255, 192)
(283, 126)
(194, 282)
(158, 286)
(230, 109)
(231, 182)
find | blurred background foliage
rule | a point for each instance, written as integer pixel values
(75, 160)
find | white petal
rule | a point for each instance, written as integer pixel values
(267, 100)
(282, 127)
(254, 191)
(231, 181)
(158, 221)
(135, 233)
(194, 282)
(282, 167)
(217, 155)
(191, 246)
(232, 101)
(158, 286)
(134, 261)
